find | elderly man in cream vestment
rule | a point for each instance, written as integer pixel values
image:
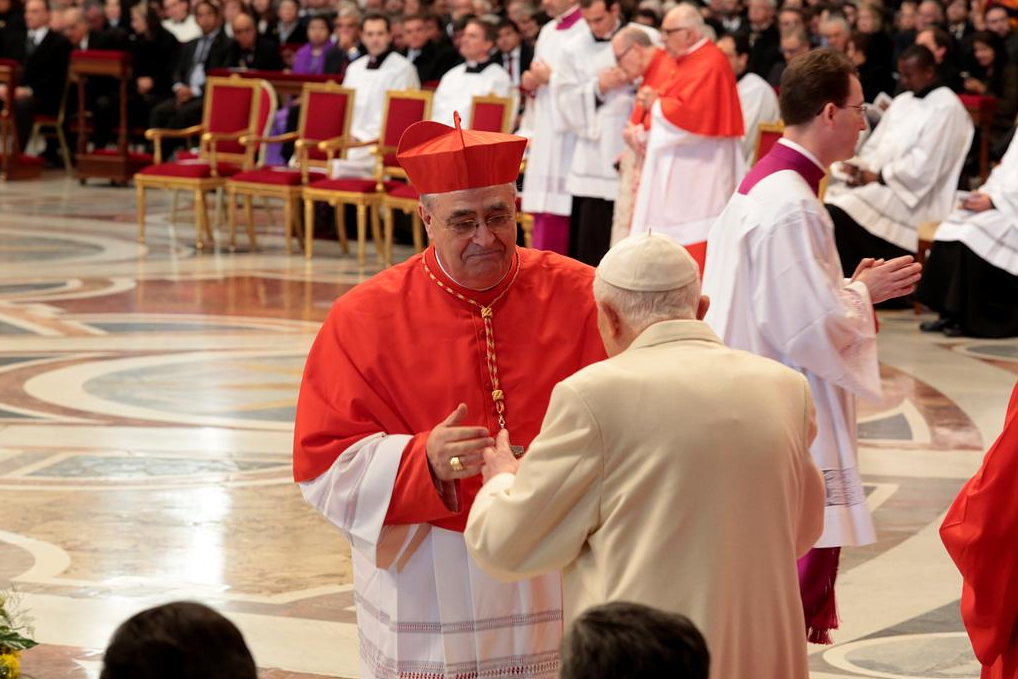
(676, 473)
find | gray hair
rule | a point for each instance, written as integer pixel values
(631, 35)
(640, 310)
(349, 9)
(428, 199)
(837, 19)
(687, 16)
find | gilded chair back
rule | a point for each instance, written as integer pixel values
(237, 106)
(767, 135)
(491, 114)
(325, 113)
(403, 108)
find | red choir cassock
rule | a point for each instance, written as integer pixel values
(981, 535)
(398, 353)
(693, 162)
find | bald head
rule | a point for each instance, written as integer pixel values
(633, 51)
(683, 27)
(245, 31)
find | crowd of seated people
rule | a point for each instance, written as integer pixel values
(175, 43)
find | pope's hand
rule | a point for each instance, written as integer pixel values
(500, 459)
(449, 440)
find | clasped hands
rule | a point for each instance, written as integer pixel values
(858, 176)
(456, 451)
(888, 279)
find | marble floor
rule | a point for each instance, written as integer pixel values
(146, 401)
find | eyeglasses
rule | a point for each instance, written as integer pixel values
(861, 108)
(668, 31)
(467, 228)
(620, 57)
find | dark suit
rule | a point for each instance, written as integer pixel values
(336, 60)
(764, 50)
(264, 56)
(433, 61)
(220, 54)
(526, 56)
(44, 70)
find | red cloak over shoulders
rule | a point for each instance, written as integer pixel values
(397, 354)
(700, 95)
(980, 532)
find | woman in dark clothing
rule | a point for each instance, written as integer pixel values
(154, 54)
(993, 75)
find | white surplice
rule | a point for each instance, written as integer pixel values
(919, 149)
(551, 142)
(686, 181)
(396, 72)
(777, 289)
(759, 105)
(404, 611)
(457, 89)
(597, 120)
(991, 234)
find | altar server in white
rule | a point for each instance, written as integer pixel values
(907, 171)
(971, 274)
(756, 96)
(371, 76)
(478, 76)
(694, 159)
(595, 97)
(777, 289)
(551, 143)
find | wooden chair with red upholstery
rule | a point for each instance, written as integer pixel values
(767, 135)
(402, 109)
(982, 110)
(13, 163)
(120, 164)
(233, 108)
(325, 113)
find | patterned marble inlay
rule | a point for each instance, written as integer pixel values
(146, 403)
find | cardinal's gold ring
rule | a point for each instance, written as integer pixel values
(455, 463)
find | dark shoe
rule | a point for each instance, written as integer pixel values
(935, 326)
(953, 330)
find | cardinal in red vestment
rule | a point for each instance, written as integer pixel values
(981, 535)
(695, 125)
(412, 375)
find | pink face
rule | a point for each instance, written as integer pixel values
(983, 54)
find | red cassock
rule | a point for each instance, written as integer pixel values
(398, 353)
(981, 535)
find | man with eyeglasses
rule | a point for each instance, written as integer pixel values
(777, 289)
(907, 171)
(412, 375)
(694, 130)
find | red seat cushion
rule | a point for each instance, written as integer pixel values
(404, 191)
(140, 157)
(190, 170)
(28, 160)
(187, 155)
(283, 176)
(352, 185)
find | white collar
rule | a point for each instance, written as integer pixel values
(39, 33)
(700, 43)
(803, 150)
(517, 50)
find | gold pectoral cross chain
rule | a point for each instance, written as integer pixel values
(487, 314)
